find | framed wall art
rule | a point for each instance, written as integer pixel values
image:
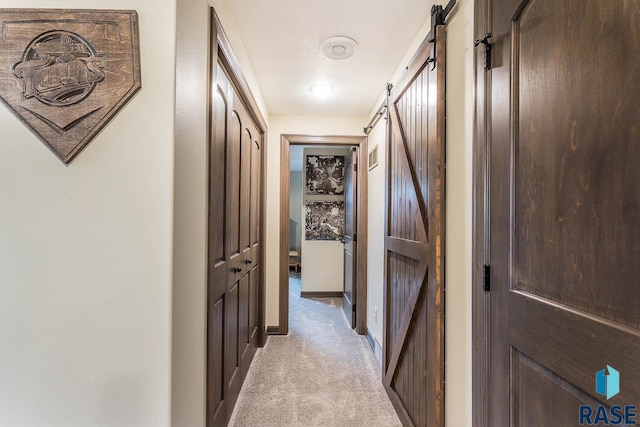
(325, 174)
(66, 73)
(324, 220)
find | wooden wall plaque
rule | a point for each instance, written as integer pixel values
(66, 73)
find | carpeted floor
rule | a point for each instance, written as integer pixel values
(321, 374)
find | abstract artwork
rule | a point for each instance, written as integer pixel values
(66, 73)
(325, 174)
(324, 220)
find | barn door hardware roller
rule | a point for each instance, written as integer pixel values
(487, 50)
(438, 17)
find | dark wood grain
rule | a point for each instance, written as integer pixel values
(558, 180)
(66, 73)
(413, 347)
(480, 298)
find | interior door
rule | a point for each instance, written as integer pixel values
(564, 205)
(414, 280)
(234, 248)
(349, 239)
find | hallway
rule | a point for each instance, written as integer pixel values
(322, 373)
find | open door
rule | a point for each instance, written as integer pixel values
(349, 239)
(563, 226)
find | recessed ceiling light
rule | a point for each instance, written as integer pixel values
(321, 90)
(338, 47)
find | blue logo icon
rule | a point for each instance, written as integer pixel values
(608, 382)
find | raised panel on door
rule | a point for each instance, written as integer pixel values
(253, 305)
(565, 206)
(414, 329)
(218, 178)
(255, 193)
(256, 171)
(232, 356)
(234, 167)
(246, 320)
(243, 325)
(535, 387)
(245, 191)
(216, 412)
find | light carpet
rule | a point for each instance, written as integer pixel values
(321, 374)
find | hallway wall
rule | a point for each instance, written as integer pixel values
(375, 249)
(459, 195)
(85, 255)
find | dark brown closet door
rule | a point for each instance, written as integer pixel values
(414, 330)
(564, 207)
(234, 248)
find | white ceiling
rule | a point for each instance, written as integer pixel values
(282, 39)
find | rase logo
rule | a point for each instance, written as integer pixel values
(608, 385)
(608, 382)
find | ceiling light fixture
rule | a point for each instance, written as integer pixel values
(338, 47)
(321, 90)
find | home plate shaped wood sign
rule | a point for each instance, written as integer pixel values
(66, 73)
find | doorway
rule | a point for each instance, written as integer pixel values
(360, 283)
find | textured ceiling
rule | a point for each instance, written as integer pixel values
(282, 39)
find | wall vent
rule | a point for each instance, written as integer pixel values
(373, 157)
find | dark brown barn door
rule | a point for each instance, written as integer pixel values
(564, 203)
(414, 328)
(350, 226)
(234, 248)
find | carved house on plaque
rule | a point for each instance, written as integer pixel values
(66, 73)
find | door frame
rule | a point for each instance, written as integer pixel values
(286, 141)
(480, 299)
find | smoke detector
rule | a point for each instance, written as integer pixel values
(338, 47)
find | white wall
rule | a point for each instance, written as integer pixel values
(85, 256)
(322, 266)
(460, 104)
(304, 125)
(322, 260)
(190, 211)
(375, 248)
